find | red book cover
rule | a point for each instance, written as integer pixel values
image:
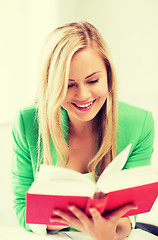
(39, 208)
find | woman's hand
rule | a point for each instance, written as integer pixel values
(108, 227)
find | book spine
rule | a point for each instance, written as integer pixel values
(99, 204)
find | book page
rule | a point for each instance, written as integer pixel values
(51, 173)
(128, 178)
(63, 188)
(52, 180)
(116, 165)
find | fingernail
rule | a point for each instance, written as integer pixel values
(91, 209)
(71, 207)
(136, 207)
(55, 211)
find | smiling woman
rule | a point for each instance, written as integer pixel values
(78, 123)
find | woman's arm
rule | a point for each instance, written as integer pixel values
(21, 170)
(135, 126)
(23, 166)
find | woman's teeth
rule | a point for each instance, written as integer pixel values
(84, 105)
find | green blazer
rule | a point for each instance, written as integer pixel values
(135, 126)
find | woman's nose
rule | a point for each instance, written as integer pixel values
(83, 93)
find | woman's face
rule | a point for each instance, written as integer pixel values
(87, 88)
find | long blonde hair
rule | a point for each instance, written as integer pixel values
(59, 48)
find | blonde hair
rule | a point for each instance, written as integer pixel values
(59, 48)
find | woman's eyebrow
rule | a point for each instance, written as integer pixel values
(92, 74)
(71, 80)
(87, 76)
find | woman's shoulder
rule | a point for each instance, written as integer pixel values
(134, 124)
(130, 110)
(136, 127)
(129, 114)
(26, 121)
(27, 113)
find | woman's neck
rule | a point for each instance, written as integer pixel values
(79, 128)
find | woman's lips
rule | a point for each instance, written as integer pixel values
(84, 107)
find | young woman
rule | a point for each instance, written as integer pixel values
(77, 123)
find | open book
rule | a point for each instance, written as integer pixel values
(57, 187)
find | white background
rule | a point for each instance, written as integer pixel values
(130, 27)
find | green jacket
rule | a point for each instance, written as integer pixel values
(135, 126)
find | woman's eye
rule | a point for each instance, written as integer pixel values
(71, 85)
(93, 81)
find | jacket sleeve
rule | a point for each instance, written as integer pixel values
(21, 170)
(142, 151)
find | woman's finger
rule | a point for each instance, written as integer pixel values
(58, 220)
(120, 212)
(79, 214)
(63, 215)
(67, 218)
(96, 216)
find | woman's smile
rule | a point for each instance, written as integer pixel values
(84, 106)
